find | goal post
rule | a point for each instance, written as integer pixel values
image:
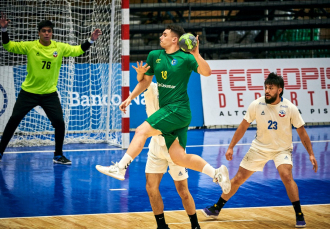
(89, 86)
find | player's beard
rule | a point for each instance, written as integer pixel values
(271, 99)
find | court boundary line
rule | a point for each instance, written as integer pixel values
(116, 213)
(112, 149)
(216, 221)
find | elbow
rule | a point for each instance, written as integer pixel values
(207, 73)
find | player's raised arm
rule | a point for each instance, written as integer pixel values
(4, 23)
(203, 67)
(141, 70)
(3, 20)
(95, 34)
(308, 145)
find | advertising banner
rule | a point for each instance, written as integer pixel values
(234, 84)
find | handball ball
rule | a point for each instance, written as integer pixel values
(187, 42)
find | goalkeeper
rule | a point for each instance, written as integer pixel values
(39, 88)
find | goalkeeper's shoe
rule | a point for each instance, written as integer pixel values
(222, 178)
(112, 171)
(300, 220)
(212, 211)
(60, 159)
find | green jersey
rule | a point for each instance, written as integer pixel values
(172, 73)
(44, 63)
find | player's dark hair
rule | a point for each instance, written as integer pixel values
(276, 80)
(178, 30)
(45, 23)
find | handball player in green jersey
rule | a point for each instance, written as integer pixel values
(39, 88)
(172, 68)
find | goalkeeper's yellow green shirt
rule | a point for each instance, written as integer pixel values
(44, 63)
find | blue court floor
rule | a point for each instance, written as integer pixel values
(31, 185)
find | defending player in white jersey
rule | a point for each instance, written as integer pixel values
(158, 161)
(274, 116)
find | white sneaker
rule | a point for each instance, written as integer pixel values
(222, 178)
(112, 171)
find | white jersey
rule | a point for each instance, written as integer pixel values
(274, 124)
(152, 105)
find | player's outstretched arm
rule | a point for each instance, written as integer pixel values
(239, 133)
(141, 70)
(308, 146)
(139, 88)
(3, 20)
(4, 23)
(87, 44)
(203, 67)
(95, 34)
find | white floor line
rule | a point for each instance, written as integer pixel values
(72, 150)
(117, 189)
(217, 221)
(112, 149)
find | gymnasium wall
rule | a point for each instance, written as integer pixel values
(221, 99)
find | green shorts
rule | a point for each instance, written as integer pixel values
(173, 122)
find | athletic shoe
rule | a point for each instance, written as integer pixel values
(61, 160)
(222, 178)
(112, 171)
(211, 211)
(300, 220)
(164, 227)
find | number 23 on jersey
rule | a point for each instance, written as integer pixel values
(272, 125)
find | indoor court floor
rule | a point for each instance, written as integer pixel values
(35, 193)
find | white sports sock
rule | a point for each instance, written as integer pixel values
(125, 161)
(209, 170)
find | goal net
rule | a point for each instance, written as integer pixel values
(89, 86)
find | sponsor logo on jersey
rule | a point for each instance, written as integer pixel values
(37, 54)
(166, 86)
(158, 61)
(260, 103)
(281, 113)
(5, 100)
(263, 113)
(55, 54)
(284, 106)
(174, 62)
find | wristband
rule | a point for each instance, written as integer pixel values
(4, 29)
(90, 40)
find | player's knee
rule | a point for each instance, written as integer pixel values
(58, 123)
(151, 188)
(184, 193)
(14, 118)
(286, 178)
(177, 160)
(141, 131)
(238, 180)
